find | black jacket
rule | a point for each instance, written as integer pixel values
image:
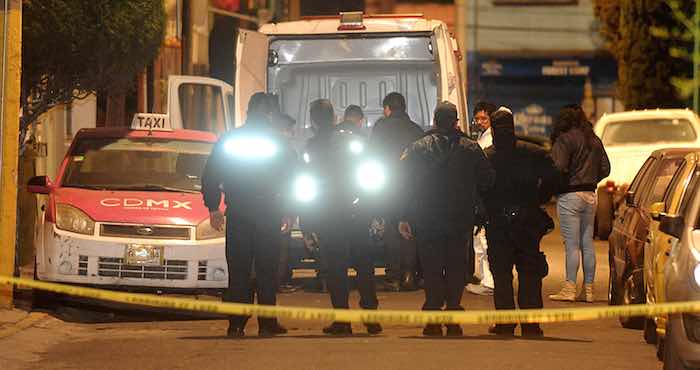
(351, 127)
(391, 135)
(442, 173)
(252, 185)
(583, 165)
(525, 177)
(333, 165)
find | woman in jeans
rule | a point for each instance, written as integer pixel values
(579, 154)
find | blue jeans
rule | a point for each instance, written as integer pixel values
(576, 217)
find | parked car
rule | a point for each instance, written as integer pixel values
(675, 268)
(629, 139)
(126, 212)
(631, 228)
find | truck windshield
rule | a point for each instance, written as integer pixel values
(142, 164)
(649, 131)
(359, 71)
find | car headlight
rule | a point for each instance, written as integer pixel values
(251, 147)
(205, 231)
(371, 176)
(305, 188)
(72, 219)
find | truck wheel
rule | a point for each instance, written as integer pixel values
(604, 215)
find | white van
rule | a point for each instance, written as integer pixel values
(351, 59)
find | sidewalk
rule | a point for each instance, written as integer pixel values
(15, 320)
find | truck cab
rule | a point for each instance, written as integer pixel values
(350, 59)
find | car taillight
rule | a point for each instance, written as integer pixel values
(610, 186)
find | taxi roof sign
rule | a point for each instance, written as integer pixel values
(151, 122)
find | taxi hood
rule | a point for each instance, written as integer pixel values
(135, 207)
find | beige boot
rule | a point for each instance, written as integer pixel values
(586, 294)
(567, 293)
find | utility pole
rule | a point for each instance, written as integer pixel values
(9, 136)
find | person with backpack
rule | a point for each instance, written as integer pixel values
(441, 173)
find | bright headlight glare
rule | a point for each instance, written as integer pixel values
(371, 175)
(206, 232)
(72, 219)
(696, 275)
(356, 147)
(307, 158)
(251, 147)
(305, 188)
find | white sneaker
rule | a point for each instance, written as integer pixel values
(479, 289)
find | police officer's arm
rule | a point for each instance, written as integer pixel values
(212, 177)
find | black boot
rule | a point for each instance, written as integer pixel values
(531, 331)
(271, 330)
(373, 328)
(454, 330)
(235, 331)
(502, 329)
(432, 330)
(338, 328)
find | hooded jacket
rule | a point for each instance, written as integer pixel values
(443, 172)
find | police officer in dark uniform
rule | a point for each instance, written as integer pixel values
(442, 173)
(525, 179)
(252, 165)
(336, 214)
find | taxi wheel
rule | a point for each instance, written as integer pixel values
(650, 335)
(631, 295)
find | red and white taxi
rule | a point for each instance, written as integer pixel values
(126, 211)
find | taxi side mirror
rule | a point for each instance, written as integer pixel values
(39, 185)
(629, 198)
(655, 210)
(672, 225)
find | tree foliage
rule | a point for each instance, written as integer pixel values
(72, 48)
(646, 65)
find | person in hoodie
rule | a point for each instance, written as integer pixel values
(525, 180)
(441, 173)
(580, 155)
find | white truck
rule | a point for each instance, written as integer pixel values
(351, 59)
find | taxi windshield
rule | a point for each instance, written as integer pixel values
(139, 164)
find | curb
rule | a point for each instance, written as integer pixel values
(29, 321)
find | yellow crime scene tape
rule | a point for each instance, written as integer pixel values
(366, 316)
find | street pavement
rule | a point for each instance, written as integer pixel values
(69, 338)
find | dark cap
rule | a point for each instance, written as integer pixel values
(445, 115)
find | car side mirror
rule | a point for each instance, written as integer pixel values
(39, 185)
(629, 198)
(672, 225)
(655, 210)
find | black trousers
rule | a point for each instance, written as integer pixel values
(252, 242)
(515, 245)
(344, 243)
(444, 263)
(400, 253)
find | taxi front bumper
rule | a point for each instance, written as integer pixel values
(93, 260)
